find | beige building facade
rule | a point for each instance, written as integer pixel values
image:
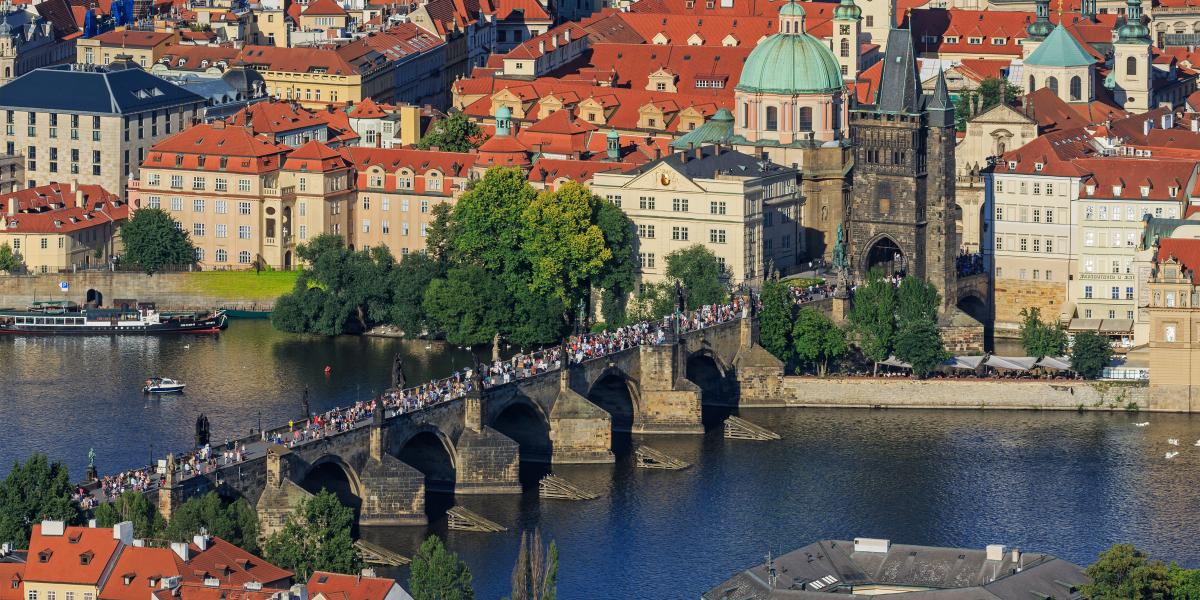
(54, 228)
(742, 209)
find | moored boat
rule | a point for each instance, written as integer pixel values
(133, 318)
(162, 385)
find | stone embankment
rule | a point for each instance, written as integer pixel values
(869, 392)
(170, 291)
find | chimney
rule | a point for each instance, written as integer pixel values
(78, 193)
(1168, 121)
(1016, 556)
(123, 532)
(201, 541)
(690, 145)
(1195, 125)
(567, 35)
(182, 550)
(12, 202)
(657, 153)
(53, 528)
(1147, 125)
(699, 151)
(716, 150)
(995, 552)
(541, 46)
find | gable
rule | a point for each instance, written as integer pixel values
(663, 178)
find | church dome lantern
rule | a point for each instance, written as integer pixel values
(791, 61)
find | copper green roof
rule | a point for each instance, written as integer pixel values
(791, 9)
(847, 11)
(790, 63)
(718, 130)
(1060, 49)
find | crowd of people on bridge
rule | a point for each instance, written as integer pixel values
(578, 349)
(968, 264)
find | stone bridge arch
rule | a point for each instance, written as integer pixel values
(618, 394)
(526, 422)
(429, 450)
(334, 473)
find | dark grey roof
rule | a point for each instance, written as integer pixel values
(69, 88)
(822, 569)
(899, 90)
(713, 161)
(941, 109)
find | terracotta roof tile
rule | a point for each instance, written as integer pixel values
(350, 586)
(80, 555)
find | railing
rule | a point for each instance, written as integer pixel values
(580, 349)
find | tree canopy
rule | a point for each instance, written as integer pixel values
(817, 339)
(455, 133)
(987, 95)
(438, 574)
(35, 490)
(315, 537)
(920, 345)
(701, 273)
(873, 316)
(131, 506)
(9, 261)
(565, 244)
(154, 241)
(775, 322)
(1090, 353)
(1123, 573)
(1041, 339)
(235, 522)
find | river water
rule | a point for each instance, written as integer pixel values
(1060, 482)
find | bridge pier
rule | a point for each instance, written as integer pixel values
(488, 461)
(758, 373)
(281, 495)
(393, 493)
(668, 402)
(580, 432)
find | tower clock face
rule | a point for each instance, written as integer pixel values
(845, 29)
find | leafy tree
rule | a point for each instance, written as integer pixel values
(985, 96)
(776, 320)
(1123, 573)
(410, 279)
(153, 241)
(131, 506)
(354, 289)
(455, 133)
(654, 301)
(916, 300)
(438, 574)
(1185, 583)
(618, 275)
(550, 583)
(470, 305)
(437, 235)
(920, 345)
(302, 311)
(817, 339)
(536, 318)
(9, 261)
(34, 490)
(235, 522)
(487, 226)
(1090, 354)
(701, 274)
(564, 243)
(316, 537)
(1041, 339)
(873, 316)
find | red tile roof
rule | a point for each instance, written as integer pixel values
(79, 556)
(1131, 174)
(420, 162)
(139, 570)
(12, 581)
(298, 60)
(193, 57)
(367, 109)
(276, 117)
(232, 566)
(133, 38)
(247, 152)
(1185, 251)
(999, 31)
(316, 157)
(199, 591)
(350, 587)
(324, 7)
(1054, 154)
(527, 11)
(52, 208)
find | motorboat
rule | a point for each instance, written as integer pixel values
(162, 385)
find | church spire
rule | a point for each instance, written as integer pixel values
(1040, 27)
(1133, 31)
(940, 108)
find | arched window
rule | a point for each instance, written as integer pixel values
(745, 114)
(772, 118)
(806, 123)
(1052, 83)
(1131, 66)
(845, 48)
(1032, 86)
(1076, 88)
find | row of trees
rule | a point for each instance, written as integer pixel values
(887, 319)
(1125, 573)
(504, 260)
(798, 335)
(1090, 351)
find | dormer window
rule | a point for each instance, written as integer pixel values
(1145, 190)
(951, 39)
(86, 557)
(974, 41)
(1012, 165)
(1116, 190)
(1172, 191)
(1038, 166)
(999, 41)
(128, 578)
(44, 556)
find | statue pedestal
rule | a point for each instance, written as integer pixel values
(91, 473)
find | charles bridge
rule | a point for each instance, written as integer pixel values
(474, 445)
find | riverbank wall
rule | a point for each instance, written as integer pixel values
(1014, 394)
(169, 291)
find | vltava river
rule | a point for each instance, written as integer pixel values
(1065, 483)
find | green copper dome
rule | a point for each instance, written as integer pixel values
(1060, 50)
(847, 11)
(791, 9)
(790, 63)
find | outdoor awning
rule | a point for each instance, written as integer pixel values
(1016, 363)
(1084, 325)
(892, 361)
(969, 363)
(1116, 326)
(1061, 363)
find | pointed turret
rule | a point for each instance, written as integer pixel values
(899, 90)
(939, 106)
(1041, 26)
(1133, 31)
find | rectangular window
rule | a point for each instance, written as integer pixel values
(385, 204)
(679, 233)
(1037, 246)
(646, 231)
(1049, 245)
(244, 232)
(679, 204)
(221, 207)
(366, 226)
(1049, 215)
(1087, 291)
(197, 183)
(176, 203)
(1037, 215)
(243, 185)
(424, 206)
(221, 184)
(197, 229)
(716, 236)
(1024, 244)
(646, 260)
(1129, 293)
(154, 202)
(999, 243)
(303, 208)
(999, 213)
(385, 226)
(198, 205)
(614, 199)
(1116, 293)
(716, 208)
(304, 232)
(646, 202)
(222, 230)
(243, 208)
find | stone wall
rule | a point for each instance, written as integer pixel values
(1013, 295)
(959, 393)
(170, 291)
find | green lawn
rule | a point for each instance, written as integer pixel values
(242, 285)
